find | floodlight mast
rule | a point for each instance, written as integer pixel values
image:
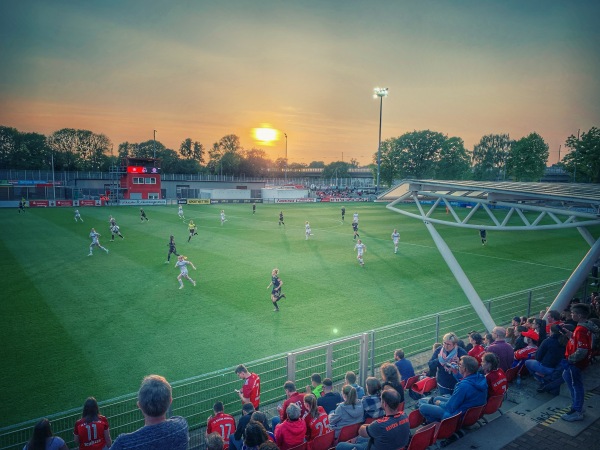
(379, 92)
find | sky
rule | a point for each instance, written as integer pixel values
(205, 69)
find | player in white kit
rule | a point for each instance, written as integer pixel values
(182, 264)
(361, 249)
(395, 239)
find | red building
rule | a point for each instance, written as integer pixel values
(140, 178)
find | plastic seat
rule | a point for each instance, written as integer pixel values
(348, 433)
(323, 442)
(493, 404)
(511, 374)
(447, 427)
(429, 385)
(423, 437)
(302, 446)
(471, 416)
(415, 418)
(368, 420)
(407, 384)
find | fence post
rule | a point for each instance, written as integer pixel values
(437, 328)
(372, 353)
(529, 303)
(363, 359)
(291, 367)
(329, 362)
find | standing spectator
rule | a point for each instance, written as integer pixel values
(43, 439)
(503, 350)
(372, 401)
(348, 412)
(329, 400)
(292, 430)
(250, 392)
(404, 366)
(214, 441)
(235, 440)
(91, 431)
(389, 432)
(317, 420)
(292, 396)
(477, 350)
(445, 359)
(351, 380)
(494, 376)
(578, 355)
(221, 423)
(391, 377)
(547, 357)
(316, 386)
(154, 399)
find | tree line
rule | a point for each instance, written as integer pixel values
(416, 154)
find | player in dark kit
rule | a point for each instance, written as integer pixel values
(355, 228)
(143, 215)
(281, 218)
(254, 208)
(276, 283)
(483, 236)
(343, 213)
(172, 249)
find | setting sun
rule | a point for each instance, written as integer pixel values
(265, 134)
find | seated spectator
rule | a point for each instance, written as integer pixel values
(372, 401)
(221, 423)
(515, 322)
(261, 417)
(510, 336)
(524, 320)
(503, 351)
(351, 380)
(547, 357)
(539, 326)
(552, 317)
(470, 391)
(568, 318)
(494, 376)
(316, 386)
(214, 441)
(317, 420)
(389, 432)
(292, 430)
(477, 349)
(528, 352)
(292, 397)
(236, 439)
(391, 377)
(346, 413)
(488, 340)
(446, 360)
(330, 399)
(91, 418)
(519, 338)
(469, 345)
(404, 366)
(255, 435)
(42, 438)
(154, 399)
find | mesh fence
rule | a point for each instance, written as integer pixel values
(194, 398)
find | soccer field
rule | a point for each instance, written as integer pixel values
(73, 326)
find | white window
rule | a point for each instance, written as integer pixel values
(138, 180)
(153, 196)
(151, 180)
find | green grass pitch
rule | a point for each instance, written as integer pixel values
(73, 326)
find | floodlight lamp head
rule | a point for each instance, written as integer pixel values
(380, 92)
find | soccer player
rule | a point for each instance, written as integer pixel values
(276, 283)
(483, 236)
(180, 213)
(343, 213)
(95, 241)
(91, 431)
(223, 219)
(281, 222)
(111, 222)
(395, 239)
(307, 230)
(115, 230)
(192, 230)
(182, 264)
(143, 215)
(77, 216)
(221, 423)
(21, 207)
(355, 218)
(254, 208)
(361, 249)
(172, 249)
(355, 229)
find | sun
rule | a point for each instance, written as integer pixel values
(266, 135)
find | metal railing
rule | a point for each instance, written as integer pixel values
(363, 353)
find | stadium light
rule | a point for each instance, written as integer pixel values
(379, 92)
(154, 144)
(286, 161)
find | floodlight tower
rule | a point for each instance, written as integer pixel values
(379, 92)
(286, 161)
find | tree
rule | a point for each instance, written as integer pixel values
(489, 157)
(584, 159)
(316, 165)
(224, 155)
(337, 169)
(527, 158)
(12, 155)
(390, 166)
(354, 163)
(192, 150)
(254, 163)
(454, 161)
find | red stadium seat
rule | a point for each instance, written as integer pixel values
(415, 418)
(407, 384)
(511, 374)
(471, 416)
(299, 447)
(323, 442)
(493, 404)
(348, 433)
(447, 427)
(426, 385)
(423, 437)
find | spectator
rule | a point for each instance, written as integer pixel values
(292, 397)
(254, 436)
(470, 391)
(391, 377)
(43, 439)
(515, 322)
(292, 430)
(351, 380)
(488, 340)
(494, 376)
(235, 440)
(510, 336)
(261, 417)
(432, 363)
(372, 401)
(316, 386)
(552, 317)
(348, 412)
(578, 355)
(269, 445)
(83, 436)
(539, 326)
(568, 318)
(404, 366)
(503, 351)
(528, 352)
(477, 349)
(317, 420)
(446, 360)
(222, 423)
(158, 432)
(329, 400)
(214, 441)
(519, 338)
(547, 357)
(389, 432)
(250, 392)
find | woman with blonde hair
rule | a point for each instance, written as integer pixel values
(349, 412)
(446, 360)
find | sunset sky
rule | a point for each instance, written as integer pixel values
(205, 69)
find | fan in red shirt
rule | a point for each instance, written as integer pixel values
(222, 423)
(495, 377)
(91, 431)
(478, 350)
(250, 392)
(317, 420)
(293, 396)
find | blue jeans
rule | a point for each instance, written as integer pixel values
(360, 444)
(535, 367)
(574, 380)
(432, 413)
